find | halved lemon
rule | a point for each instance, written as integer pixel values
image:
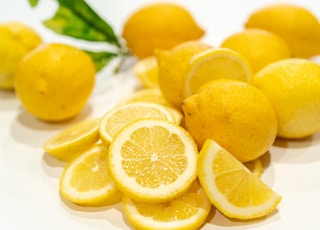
(116, 118)
(146, 71)
(188, 211)
(153, 160)
(72, 141)
(86, 179)
(231, 187)
(212, 64)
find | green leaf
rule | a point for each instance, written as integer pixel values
(101, 59)
(33, 3)
(88, 15)
(65, 22)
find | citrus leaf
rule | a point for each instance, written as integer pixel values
(65, 22)
(82, 10)
(33, 3)
(101, 59)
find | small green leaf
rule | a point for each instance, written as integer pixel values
(87, 14)
(67, 23)
(101, 59)
(33, 3)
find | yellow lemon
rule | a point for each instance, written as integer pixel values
(235, 114)
(295, 24)
(73, 140)
(231, 187)
(293, 87)
(146, 71)
(116, 118)
(16, 40)
(186, 212)
(153, 160)
(86, 179)
(55, 81)
(159, 26)
(214, 64)
(172, 65)
(260, 47)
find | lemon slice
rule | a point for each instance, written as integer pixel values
(215, 63)
(86, 180)
(231, 187)
(118, 117)
(72, 141)
(146, 71)
(186, 212)
(153, 160)
(255, 166)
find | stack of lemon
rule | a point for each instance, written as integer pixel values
(193, 139)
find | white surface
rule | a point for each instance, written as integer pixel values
(29, 197)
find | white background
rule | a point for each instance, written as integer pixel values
(29, 196)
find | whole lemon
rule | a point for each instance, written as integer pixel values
(295, 24)
(260, 47)
(159, 25)
(171, 67)
(54, 81)
(16, 40)
(233, 113)
(293, 87)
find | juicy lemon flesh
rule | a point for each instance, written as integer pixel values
(231, 187)
(160, 154)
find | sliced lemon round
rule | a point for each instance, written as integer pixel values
(116, 118)
(231, 187)
(188, 211)
(215, 63)
(153, 160)
(86, 180)
(73, 140)
(146, 71)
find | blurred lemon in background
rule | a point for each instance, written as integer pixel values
(16, 40)
(159, 25)
(54, 81)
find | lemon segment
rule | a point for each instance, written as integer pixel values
(215, 63)
(146, 71)
(153, 160)
(86, 180)
(116, 118)
(231, 187)
(72, 141)
(186, 212)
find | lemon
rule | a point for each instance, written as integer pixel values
(293, 87)
(255, 166)
(73, 140)
(158, 26)
(153, 160)
(86, 180)
(213, 64)
(55, 81)
(16, 40)
(146, 71)
(186, 212)
(172, 65)
(116, 118)
(231, 187)
(295, 24)
(260, 47)
(235, 114)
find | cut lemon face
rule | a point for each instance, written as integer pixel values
(116, 118)
(212, 64)
(153, 160)
(186, 212)
(74, 140)
(86, 180)
(231, 187)
(146, 71)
